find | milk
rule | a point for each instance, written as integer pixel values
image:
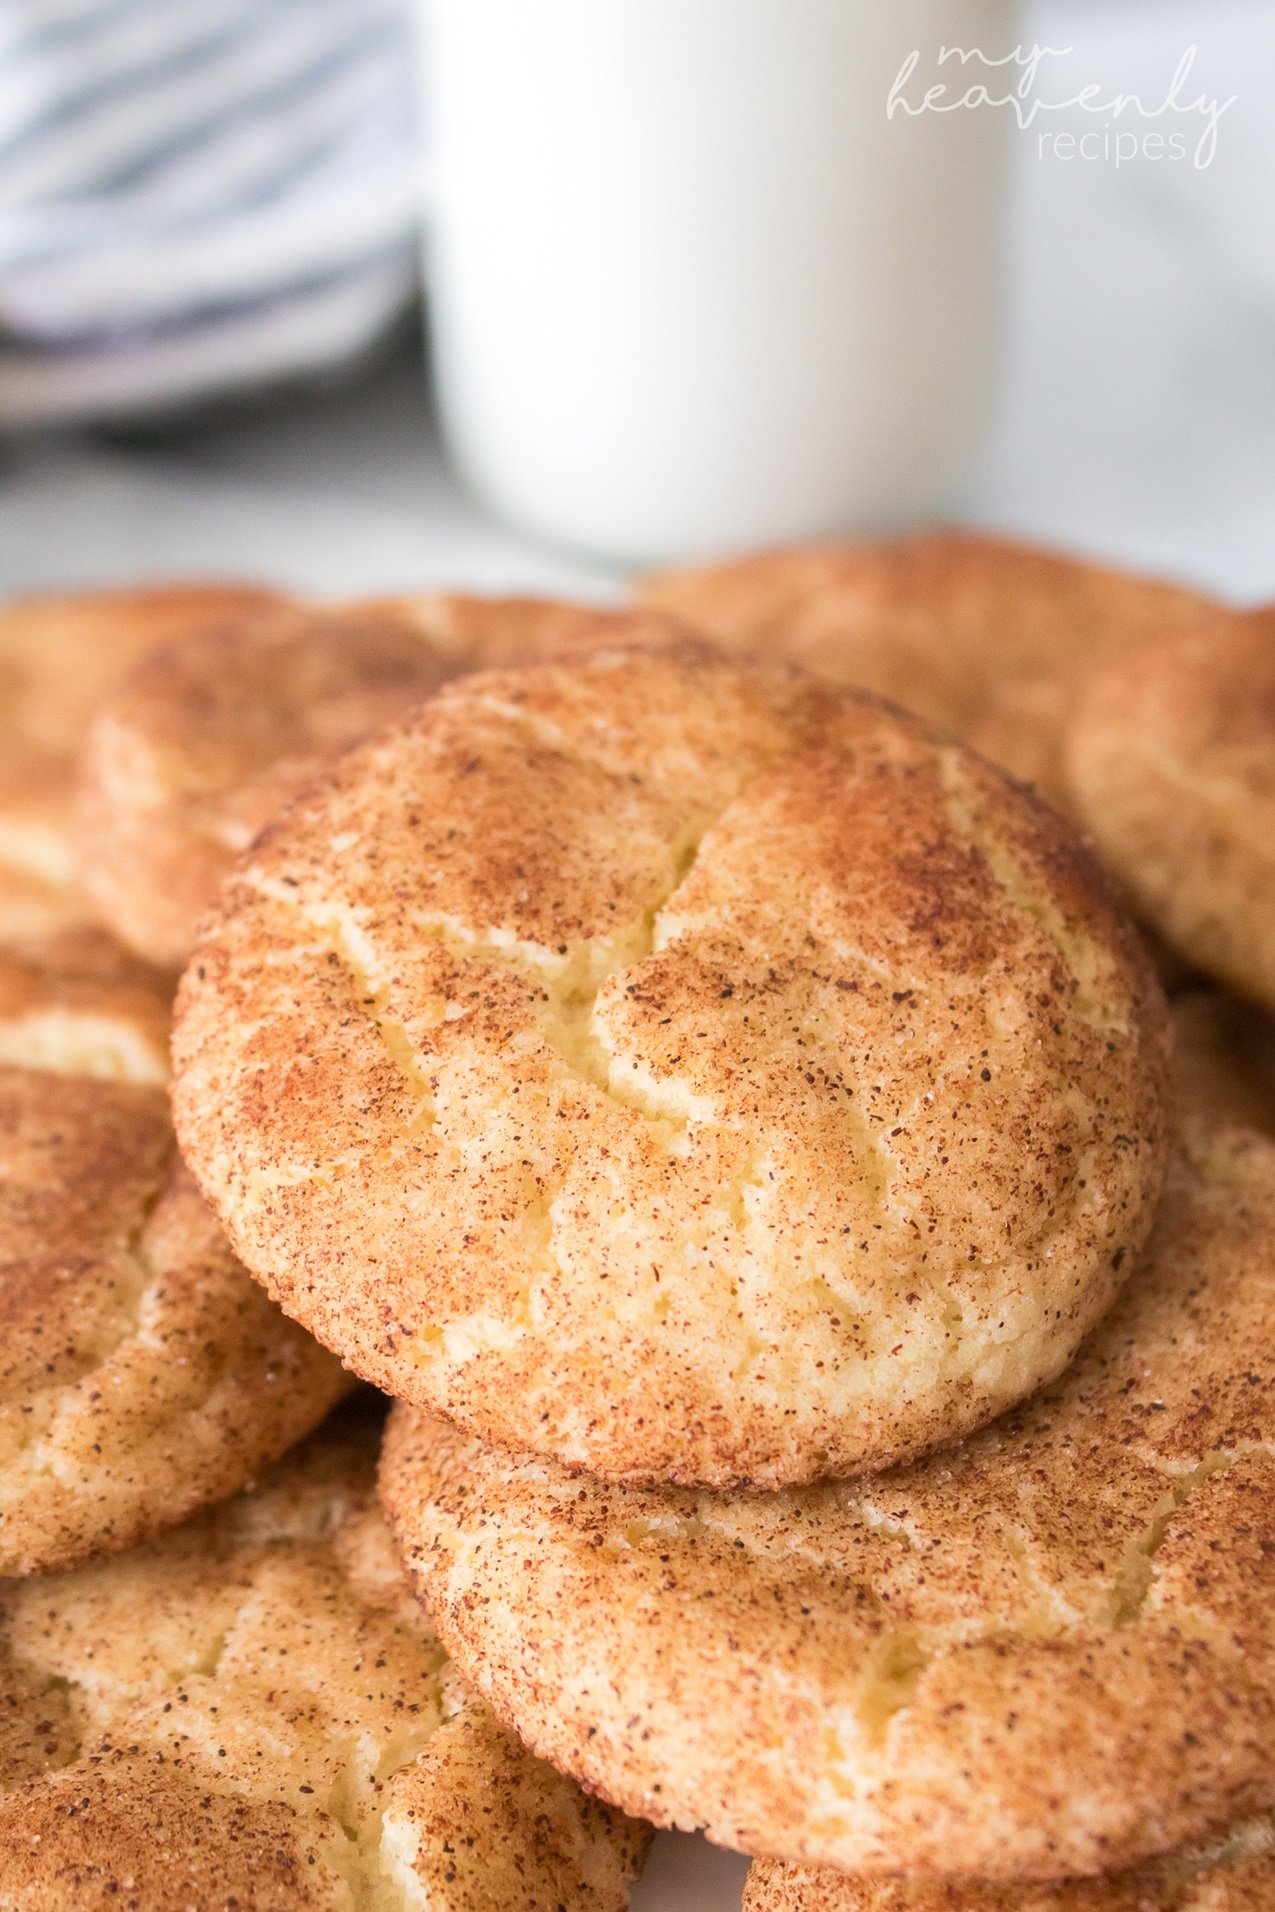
(689, 288)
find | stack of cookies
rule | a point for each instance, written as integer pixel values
(217, 1693)
(826, 1291)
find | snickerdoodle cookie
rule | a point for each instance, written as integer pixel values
(687, 1071)
(1047, 1652)
(58, 656)
(1233, 1874)
(142, 1373)
(251, 1712)
(1171, 760)
(983, 636)
(207, 736)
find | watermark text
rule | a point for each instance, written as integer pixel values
(1017, 83)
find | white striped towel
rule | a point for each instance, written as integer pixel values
(197, 195)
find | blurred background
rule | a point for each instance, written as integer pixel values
(213, 341)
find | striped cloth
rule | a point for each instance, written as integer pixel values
(197, 195)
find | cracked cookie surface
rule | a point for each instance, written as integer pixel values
(142, 1372)
(985, 637)
(686, 1071)
(58, 656)
(1232, 1874)
(1171, 765)
(252, 1713)
(210, 734)
(1049, 1651)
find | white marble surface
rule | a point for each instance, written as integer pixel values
(1137, 420)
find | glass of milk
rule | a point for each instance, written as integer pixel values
(691, 287)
